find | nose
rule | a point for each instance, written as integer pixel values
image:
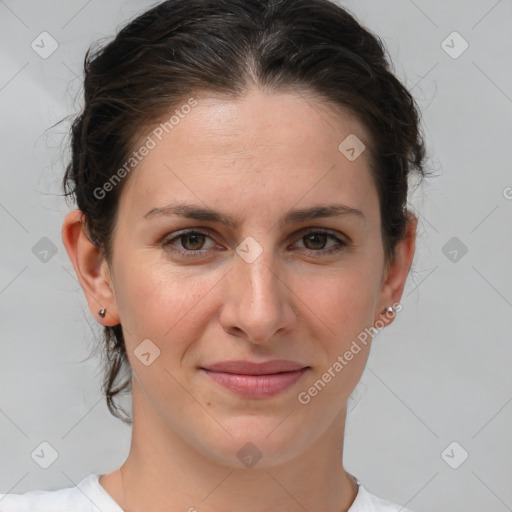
(258, 302)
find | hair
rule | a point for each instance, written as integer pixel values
(178, 48)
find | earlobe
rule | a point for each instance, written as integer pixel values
(91, 269)
(397, 271)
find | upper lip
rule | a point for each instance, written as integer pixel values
(250, 368)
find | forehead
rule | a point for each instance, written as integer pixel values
(257, 148)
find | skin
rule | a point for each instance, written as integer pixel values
(255, 158)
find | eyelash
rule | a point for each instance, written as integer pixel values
(190, 254)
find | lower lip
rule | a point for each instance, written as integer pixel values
(256, 386)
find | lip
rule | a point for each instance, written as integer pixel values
(250, 368)
(256, 380)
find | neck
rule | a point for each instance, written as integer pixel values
(164, 470)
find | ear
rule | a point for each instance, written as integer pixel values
(90, 267)
(396, 272)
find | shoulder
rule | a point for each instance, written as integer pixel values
(87, 496)
(367, 502)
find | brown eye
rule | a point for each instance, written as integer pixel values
(196, 241)
(189, 243)
(315, 241)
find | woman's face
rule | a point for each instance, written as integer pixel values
(258, 289)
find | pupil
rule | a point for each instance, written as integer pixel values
(194, 237)
(317, 235)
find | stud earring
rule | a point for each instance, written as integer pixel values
(102, 312)
(390, 309)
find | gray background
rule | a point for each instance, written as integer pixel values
(440, 373)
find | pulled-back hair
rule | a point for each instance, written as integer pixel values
(179, 48)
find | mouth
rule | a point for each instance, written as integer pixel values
(256, 380)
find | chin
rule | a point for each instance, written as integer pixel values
(256, 442)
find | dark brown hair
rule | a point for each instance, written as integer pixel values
(180, 48)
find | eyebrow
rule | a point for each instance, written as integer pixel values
(197, 212)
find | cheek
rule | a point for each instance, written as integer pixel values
(155, 301)
(344, 304)
(343, 299)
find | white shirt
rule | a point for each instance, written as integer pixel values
(90, 496)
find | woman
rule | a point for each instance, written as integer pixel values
(241, 172)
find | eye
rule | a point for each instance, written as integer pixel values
(191, 242)
(316, 240)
